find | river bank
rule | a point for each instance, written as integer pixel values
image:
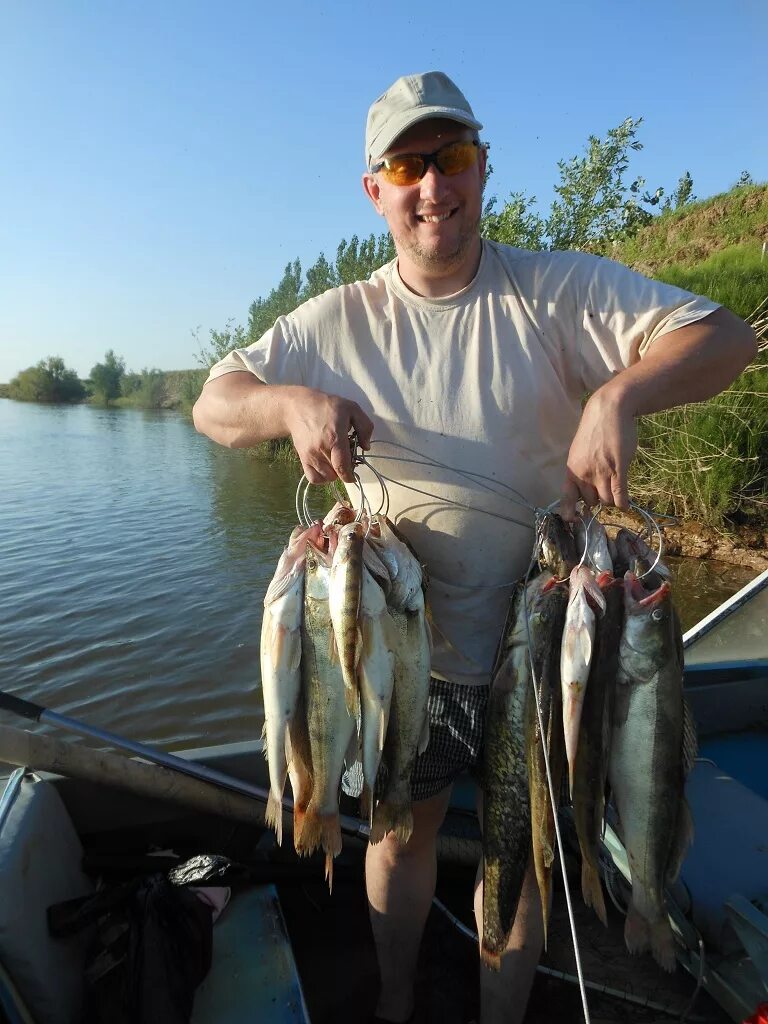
(745, 546)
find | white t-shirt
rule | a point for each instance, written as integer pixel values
(488, 382)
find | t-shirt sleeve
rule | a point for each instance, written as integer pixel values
(620, 314)
(275, 358)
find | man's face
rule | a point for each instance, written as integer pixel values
(435, 222)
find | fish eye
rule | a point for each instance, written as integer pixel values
(657, 614)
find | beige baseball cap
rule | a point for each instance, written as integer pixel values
(407, 101)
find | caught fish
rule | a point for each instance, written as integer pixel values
(557, 549)
(590, 773)
(546, 617)
(377, 676)
(652, 750)
(345, 592)
(506, 806)
(635, 555)
(404, 568)
(280, 665)
(330, 726)
(592, 539)
(576, 655)
(408, 728)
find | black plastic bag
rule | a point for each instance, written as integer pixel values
(152, 949)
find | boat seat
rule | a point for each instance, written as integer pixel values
(40, 857)
(729, 853)
(253, 976)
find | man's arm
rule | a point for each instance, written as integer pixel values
(238, 410)
(687, 365)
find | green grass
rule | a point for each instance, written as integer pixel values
(691, 234)
(735, 277)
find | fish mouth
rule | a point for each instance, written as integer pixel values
(636, 594)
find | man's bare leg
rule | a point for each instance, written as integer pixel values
(504, 993)
(400, 882)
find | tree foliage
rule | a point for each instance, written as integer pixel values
(595, 205)
(47, 381)
(107, 377)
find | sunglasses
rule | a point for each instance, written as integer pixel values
(409, 168)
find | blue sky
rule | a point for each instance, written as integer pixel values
(162, 162)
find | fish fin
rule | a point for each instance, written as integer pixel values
(424, 737)
(663, 944)
(690, 741)
(490, 958)
(366, 803)
(592, 890)
(273, 816)
(592, 589)
(293, 652)
(333, 648)
(329, 871)
(353, 747)
(392, 815)
(637, 932)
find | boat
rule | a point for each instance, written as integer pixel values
(284, 950)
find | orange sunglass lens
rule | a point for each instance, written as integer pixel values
(403, 170)
(457, 157)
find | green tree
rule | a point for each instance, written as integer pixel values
(515, 224)
(220, 343)
(107, 377)
(682, 195)
(594, 205)
(47, 381)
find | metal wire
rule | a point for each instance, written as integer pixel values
(551, 787)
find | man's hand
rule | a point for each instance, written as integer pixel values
(319, 425)
(600, 455)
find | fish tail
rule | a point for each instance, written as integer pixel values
(636, 931)
(273, 815)
(490, 958)
(392, 815)
(367, 803)
(351, 696)
(299, 814)
(320, 830)
(592, 890)
(663, 944)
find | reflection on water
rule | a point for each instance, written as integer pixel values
(134, 557)
(700, 586)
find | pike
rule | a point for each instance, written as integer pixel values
(652, 751)
(506, 804)
(330, 726)
(576, 655)
(546, 616)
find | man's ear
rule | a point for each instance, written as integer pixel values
(372, 190)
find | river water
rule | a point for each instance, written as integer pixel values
(134, 557)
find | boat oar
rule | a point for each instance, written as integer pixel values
(37, 713)
(47, 754)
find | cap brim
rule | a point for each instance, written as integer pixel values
(396, 126)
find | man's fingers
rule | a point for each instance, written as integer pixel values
(620, 493)
(363, 426)
(569, 496)
(341, 460)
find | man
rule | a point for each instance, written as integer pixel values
(475, 356)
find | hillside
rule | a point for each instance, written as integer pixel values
(696, 231)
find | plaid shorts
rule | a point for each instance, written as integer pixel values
(456, 724)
